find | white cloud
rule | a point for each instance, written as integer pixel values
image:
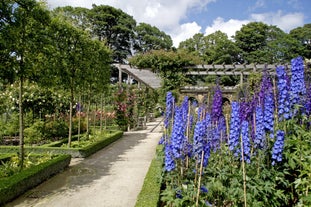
(184, 32)
(286, 22)
(229, 27)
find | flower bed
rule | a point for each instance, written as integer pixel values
(258, 157)
(74, 152)
(15, 185)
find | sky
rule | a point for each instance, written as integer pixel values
(181, 19)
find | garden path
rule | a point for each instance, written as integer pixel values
(112, 177)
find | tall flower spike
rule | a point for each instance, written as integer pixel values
(297, 84)
(234, 129)
(169, 109)
(246, 142)
(269, 113)
(278, 147)
(217, 105)
(178, 140)
(283, 95)
(259, 140)
(169, 162)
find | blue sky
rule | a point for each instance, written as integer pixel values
(181, 19)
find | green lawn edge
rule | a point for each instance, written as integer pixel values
(17, 184)
(150, 192)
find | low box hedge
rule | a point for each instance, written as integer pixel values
(150, 192)
(17, 184)
(74, 152)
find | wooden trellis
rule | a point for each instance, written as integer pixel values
(232, 69)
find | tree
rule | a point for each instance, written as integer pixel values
(169, 64)
(23, 32)
(218, 49)
(303, 35)
(262, 43)
(215, 48)
(69, 61)
(78, 16)
(151, 38)
(116, 28)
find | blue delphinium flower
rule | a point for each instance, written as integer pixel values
(266, 85)
(169, 161)
(185, 107)
(283, 96)
(259, 140)
(169, 109)
(178, 136)
(269, 113)
(297, 84)
(234, 129)
(199, 138)
(308, 102)
(278, 146)
(217, 105)
(246, 142)
(201, 143)
(204, 189)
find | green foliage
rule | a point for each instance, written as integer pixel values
(114, 26)
(261, 43)
(20, 182)
(151, 38)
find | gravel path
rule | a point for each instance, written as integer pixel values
(112, 177)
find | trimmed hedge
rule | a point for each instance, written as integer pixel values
(17, 184)
(150, 193)
(74, 152)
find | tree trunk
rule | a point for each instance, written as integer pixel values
(87, 119)
(70, 118)
(79, 124)
(21, 123)
(101, 112)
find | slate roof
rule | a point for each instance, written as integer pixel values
(146, 76)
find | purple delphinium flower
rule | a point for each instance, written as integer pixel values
(169, 162)
(169, 109)
(246, 142)
(297, 84)
(278, 146)
(234, 129)
(283, 94)
(217, 105)
(259, 140)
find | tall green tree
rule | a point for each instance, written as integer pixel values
(218, 49)
(70, 60)
(262, 43)
(303, 35)
(151, 38)
(195, 45)
(23, 31)
(78, 16)
(116, 28)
